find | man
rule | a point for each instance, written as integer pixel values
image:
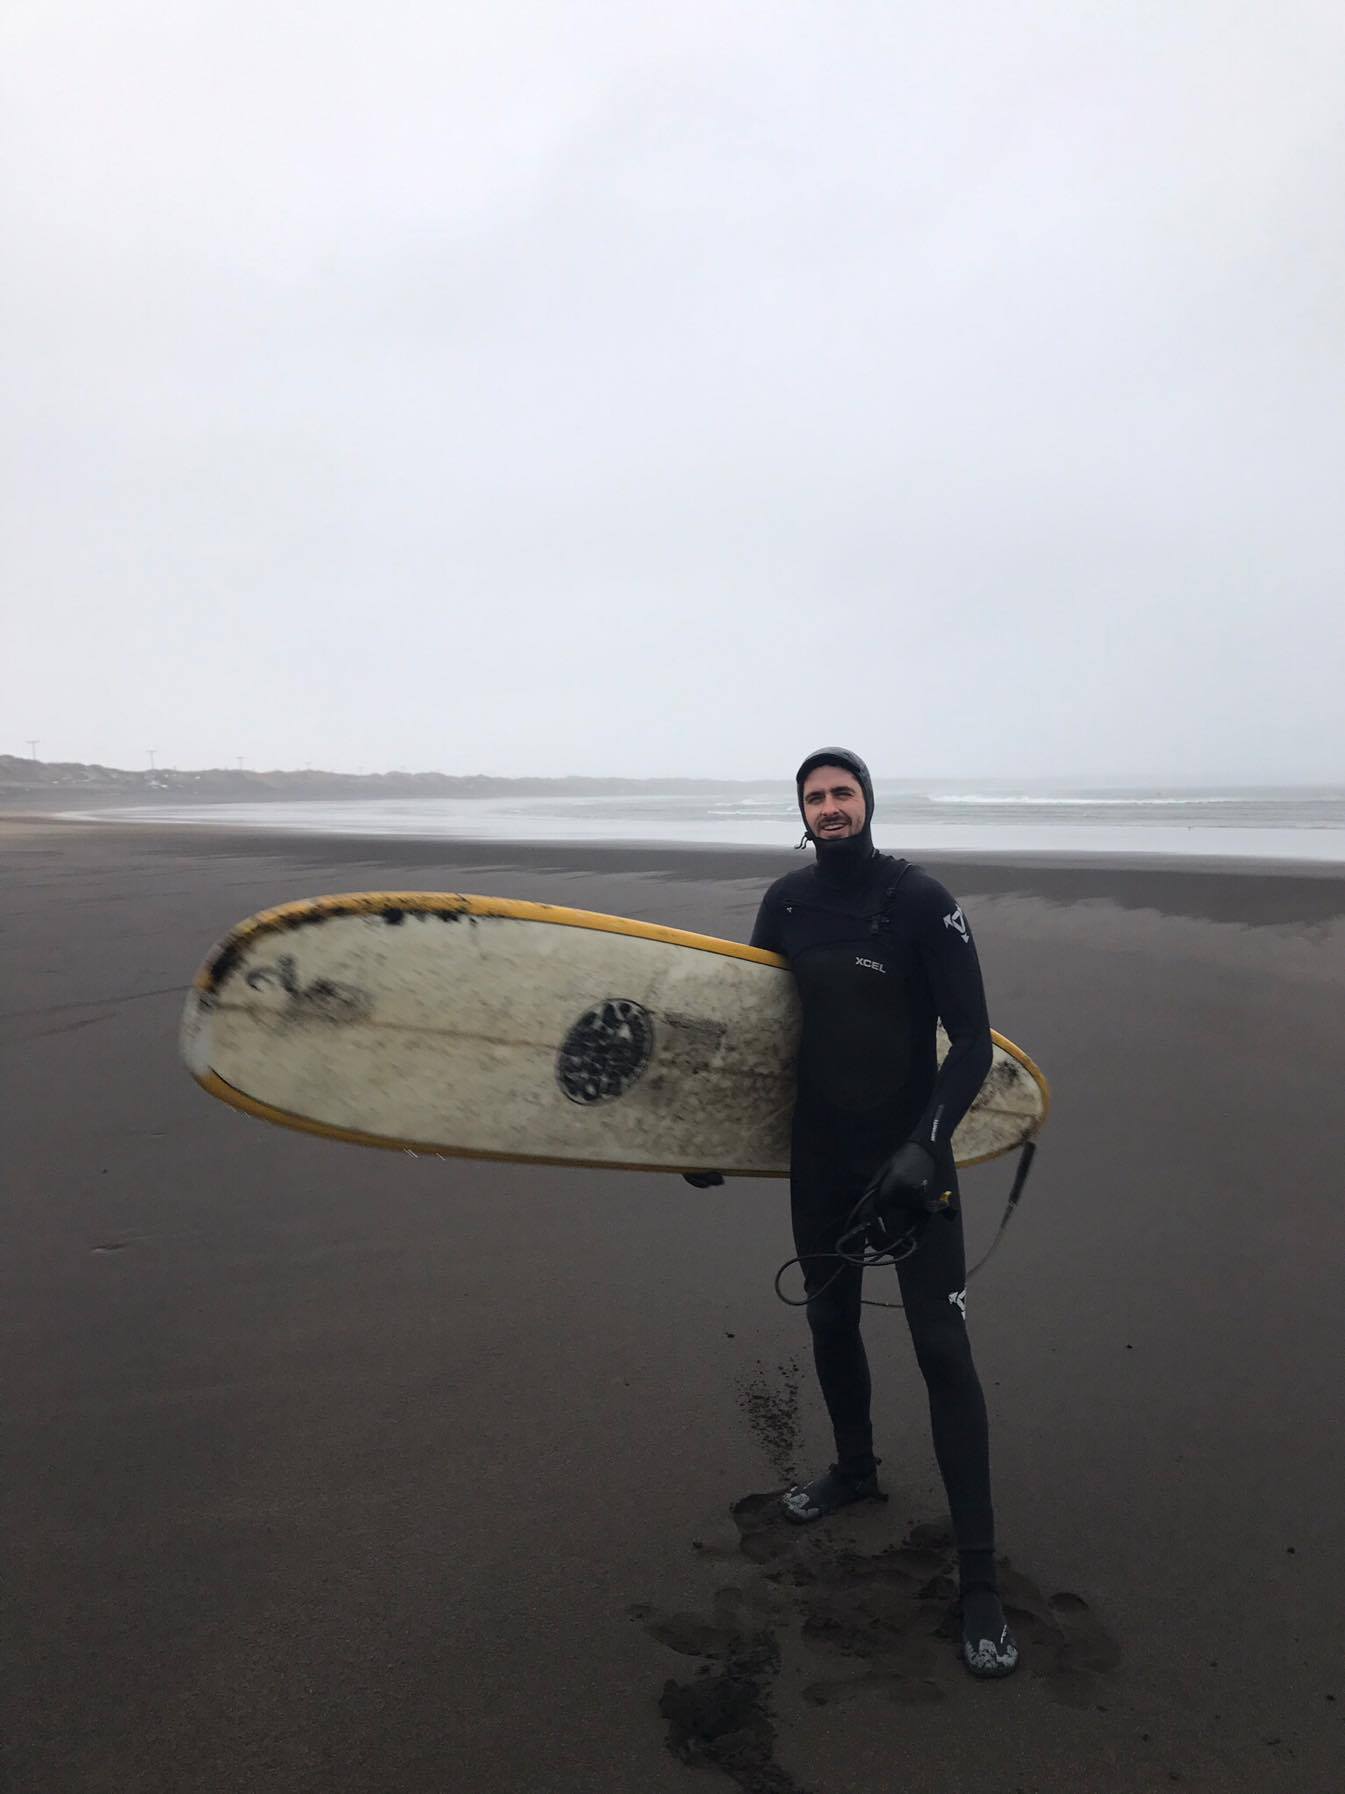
(881, 952)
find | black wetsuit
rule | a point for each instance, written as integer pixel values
(881, 952)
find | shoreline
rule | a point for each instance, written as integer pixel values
(475, 846)
(1220, 889)
(1282, 842)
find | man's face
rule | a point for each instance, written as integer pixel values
(833, 804)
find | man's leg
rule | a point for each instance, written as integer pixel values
(820, 1204)
(933, 1288)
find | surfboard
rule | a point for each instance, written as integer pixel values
(480, 1027)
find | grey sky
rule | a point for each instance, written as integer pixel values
(595, 388)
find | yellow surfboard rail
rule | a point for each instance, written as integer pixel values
(309, 911)
(287, 916)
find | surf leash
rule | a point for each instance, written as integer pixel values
(852, 1250)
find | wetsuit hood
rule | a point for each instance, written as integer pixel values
(845, 859)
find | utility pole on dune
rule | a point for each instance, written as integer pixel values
(151, 752)
(32, 741)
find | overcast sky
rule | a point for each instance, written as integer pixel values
(601, 388)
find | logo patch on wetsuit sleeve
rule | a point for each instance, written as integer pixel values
(958, 1299)
(958, 922)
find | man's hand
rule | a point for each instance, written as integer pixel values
(703, 1180)
(903, 1190)
(905, 1179)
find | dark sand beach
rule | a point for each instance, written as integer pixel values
(336, 1470)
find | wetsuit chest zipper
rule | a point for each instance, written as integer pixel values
(868, 922)
(845, 924)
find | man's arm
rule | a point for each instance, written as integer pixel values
(948, 954)
(765, 931)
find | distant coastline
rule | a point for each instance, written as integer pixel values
(37, 784)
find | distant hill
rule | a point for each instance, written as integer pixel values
(25, 783)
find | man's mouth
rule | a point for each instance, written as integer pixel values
(833, 824)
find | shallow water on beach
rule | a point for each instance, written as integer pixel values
(1307, 824)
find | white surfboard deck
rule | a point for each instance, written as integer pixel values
(479, 1027)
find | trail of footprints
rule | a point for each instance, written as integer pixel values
(887, 1617)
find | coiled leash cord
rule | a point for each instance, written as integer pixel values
(851, 1250)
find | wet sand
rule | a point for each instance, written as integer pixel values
(331, 1469)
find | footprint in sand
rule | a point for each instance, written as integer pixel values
(722, 1717)
(889, 1608)
(906, 1691)
(1067, 1647)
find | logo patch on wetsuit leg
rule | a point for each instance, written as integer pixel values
(958, 922)
(958, 1298)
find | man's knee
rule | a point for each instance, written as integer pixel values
(833, 1315)
(942, 1349)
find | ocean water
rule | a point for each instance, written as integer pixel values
(1304, 824)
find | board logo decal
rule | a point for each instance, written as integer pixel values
(605, 1052)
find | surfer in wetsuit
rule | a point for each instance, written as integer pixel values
(881, 952)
